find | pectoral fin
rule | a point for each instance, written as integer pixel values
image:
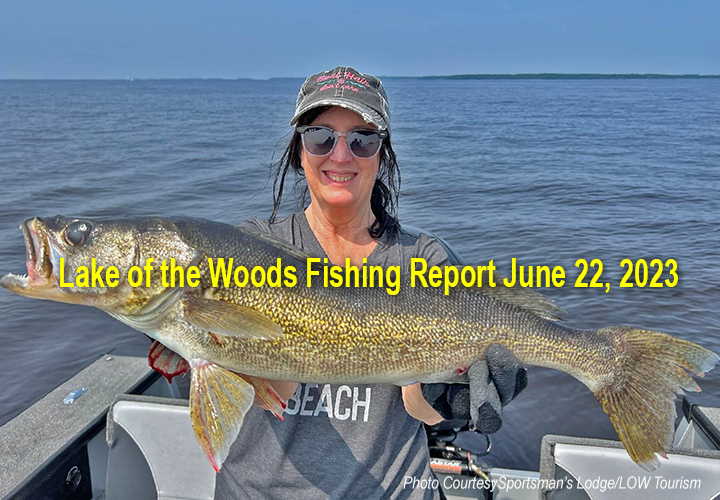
(219, 400)
(224, 318)
(166, 361)
(267, 395)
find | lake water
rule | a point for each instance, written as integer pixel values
(547, 172)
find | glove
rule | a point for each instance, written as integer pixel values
(494, 382)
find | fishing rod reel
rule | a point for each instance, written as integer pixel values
(448, 458)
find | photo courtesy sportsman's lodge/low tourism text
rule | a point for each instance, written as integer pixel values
(224, 273)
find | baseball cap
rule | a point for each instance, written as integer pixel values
(348, 88)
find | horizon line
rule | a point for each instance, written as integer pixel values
(461, 76)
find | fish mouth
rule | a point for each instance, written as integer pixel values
(41, 259)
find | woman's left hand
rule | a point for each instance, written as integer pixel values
(494, 382)
(417, 406)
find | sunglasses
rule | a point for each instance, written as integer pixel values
(320, 141)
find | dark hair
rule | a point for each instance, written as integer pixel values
(385, 192)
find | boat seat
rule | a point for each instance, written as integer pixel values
(606, 472)
(153, 452)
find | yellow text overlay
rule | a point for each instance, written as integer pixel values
(222, 272)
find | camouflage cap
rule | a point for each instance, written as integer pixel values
(347, 88)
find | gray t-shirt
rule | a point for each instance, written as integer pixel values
(337, 441)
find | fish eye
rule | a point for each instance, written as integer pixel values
(78, 232)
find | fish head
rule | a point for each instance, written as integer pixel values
(86, 250)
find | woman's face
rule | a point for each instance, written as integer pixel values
(340, 180)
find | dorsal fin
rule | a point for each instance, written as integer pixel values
(515, 295)
(277, 243)
(518, 296)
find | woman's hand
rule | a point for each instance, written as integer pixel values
(494, 382)
(417, 406)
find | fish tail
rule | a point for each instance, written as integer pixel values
(639, 396)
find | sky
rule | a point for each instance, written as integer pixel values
(80, 39)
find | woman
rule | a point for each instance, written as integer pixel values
(339, 441)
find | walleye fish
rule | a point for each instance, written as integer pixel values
(235, 338)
